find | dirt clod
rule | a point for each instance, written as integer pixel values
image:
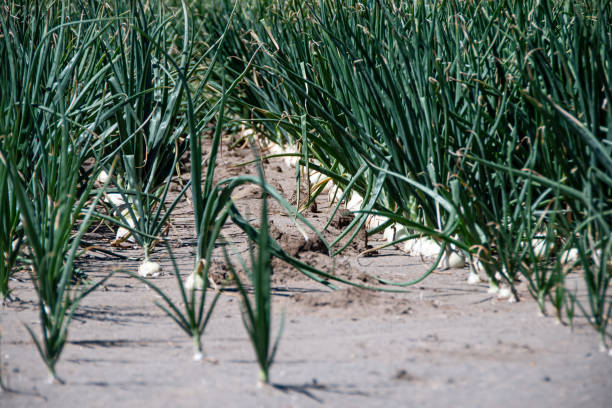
(295, 246)
(342, 219)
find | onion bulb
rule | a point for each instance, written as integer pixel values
(149, 269)
(195, 280)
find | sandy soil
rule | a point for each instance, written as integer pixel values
(440, 343)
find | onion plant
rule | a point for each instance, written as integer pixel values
(16, 89)
(256, 310)
(453, 119)
(46, 152)
(148, 118)
(346, 132)
(191, 314)
(212, 203)
(595, 258)
(11, 235)
(49, 214)
(51, 203)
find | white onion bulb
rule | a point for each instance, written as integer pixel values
(149, 269)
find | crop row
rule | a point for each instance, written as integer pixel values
(479, 130)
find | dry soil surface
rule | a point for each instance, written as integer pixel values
(439, 343)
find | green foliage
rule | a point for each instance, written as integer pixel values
(190, 314)
(484, 125)
(144, 121)
(257, 313)
(11, 236)
(46, 185)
